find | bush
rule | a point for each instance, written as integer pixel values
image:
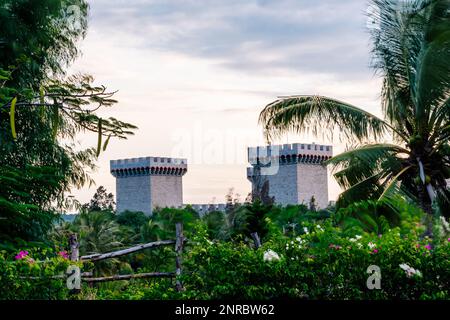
(28, 275)
(320, 264)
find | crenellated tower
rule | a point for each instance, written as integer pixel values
(293, 173)
(143, 184)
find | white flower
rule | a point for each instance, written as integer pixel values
(305, 229)
(371, 245)
(359, 245)
(404, 266)
(410, 271)
(356, 238)
(319, 227)
(445, 224)
(271, 255)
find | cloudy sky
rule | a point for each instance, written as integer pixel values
(193, 75)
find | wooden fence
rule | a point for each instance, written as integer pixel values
(178, 243)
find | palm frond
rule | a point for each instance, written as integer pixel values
(365, 171)
(317, 114)
(363, 162)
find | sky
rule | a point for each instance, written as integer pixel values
(193, 75)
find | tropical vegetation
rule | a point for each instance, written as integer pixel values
(388, 237)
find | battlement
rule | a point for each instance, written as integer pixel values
(289, 154)
(203, 209)
(148, 166)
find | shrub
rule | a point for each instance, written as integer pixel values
(320, 264)
(28, 274)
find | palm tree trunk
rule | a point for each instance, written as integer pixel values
(426, 205)
(427, 196)
(429, 188)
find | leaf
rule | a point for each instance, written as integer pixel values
(12, 113)
(106, 143)
(318, 114)
(99, 145)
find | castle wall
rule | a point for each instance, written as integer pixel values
(166, 191)
(295, 172)
(133, 194)
(283, 185)
(142, 184)
(312, 180)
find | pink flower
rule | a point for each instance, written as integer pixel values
(21, 255)
(63, 254)
(417, 245)
(428, 247)
(375, 250)
(448, 239)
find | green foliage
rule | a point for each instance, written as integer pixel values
(368, 216)
(102, 200)
(316, 260)
(293, 218)
(216, 224)
(322, 264)
(38, 38)
(99, 233)
(42, 111)
(168, 217)
(23, 214)
(133, 220)
(247, 219)
(31, 276)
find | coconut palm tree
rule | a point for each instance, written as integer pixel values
(411, 51)
(99, 233)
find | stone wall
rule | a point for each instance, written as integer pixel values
(295, 172)
(166, 191)
(143, 184)
(312, 180)
(133, 194)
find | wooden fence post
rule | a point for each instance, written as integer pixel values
(256, 239)
(179, 250)
(74, 255)
(74, 247)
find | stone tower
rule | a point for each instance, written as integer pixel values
(293, 173)
(143, 184)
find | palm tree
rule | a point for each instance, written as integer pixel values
(99, 233)
(411, 51)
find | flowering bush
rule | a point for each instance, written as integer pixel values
(29, 274)
(271, 255)
(320, 264)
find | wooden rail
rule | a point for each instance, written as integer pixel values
(132, 276)
(102, 256)
(179, 242)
